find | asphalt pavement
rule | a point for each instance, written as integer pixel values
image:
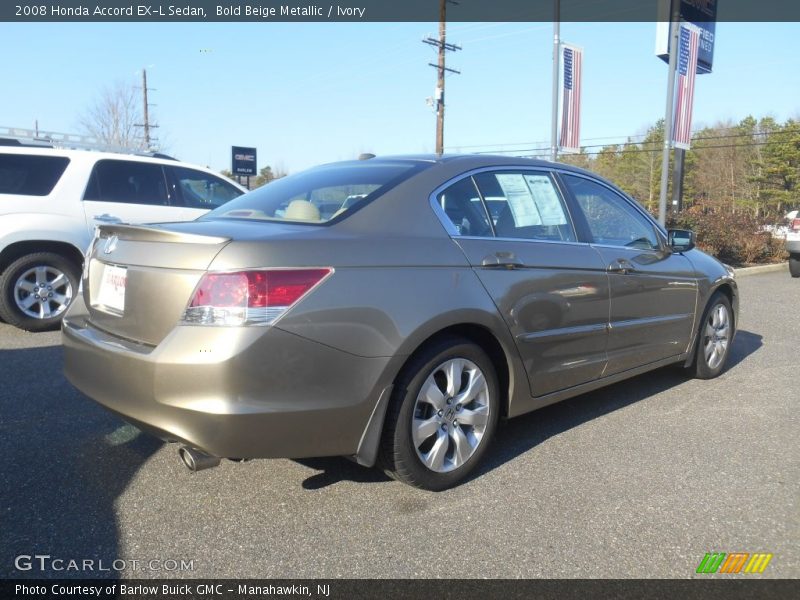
(636, 480)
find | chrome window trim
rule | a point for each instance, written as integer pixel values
(528, 240)
(450, 228)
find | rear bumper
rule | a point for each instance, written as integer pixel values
(231, 392)
(793, 246)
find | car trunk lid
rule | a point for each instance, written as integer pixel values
(139, 279)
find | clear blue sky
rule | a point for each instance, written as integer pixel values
(310, 93)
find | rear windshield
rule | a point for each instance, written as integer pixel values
(318, 195)
(30, 175)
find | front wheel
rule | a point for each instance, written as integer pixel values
(714, 338)
(442, 415)
(794, 265)
(37, 289)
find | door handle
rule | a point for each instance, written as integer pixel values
(106, 218)
(621, 266)
(506, 260)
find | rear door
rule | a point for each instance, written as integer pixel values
(653, 291)
(551, 290)
(127, 191)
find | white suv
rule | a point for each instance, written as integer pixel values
(793, 242)
(51, 200)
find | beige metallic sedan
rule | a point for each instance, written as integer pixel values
(390, 310)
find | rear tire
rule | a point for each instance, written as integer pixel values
(714, 338)
(37, 289)
(794, 265)
(442, 415)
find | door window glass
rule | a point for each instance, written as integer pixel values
(127, 182)
(462, 205)
(612, 220)
(525, 205)
(203, 190)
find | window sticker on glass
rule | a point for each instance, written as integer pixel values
(519, 199)
(546, 199)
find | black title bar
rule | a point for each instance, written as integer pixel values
(733, 588)
(379, 10)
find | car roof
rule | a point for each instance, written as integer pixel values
(468, 161)
(86, 153)
(95, 155)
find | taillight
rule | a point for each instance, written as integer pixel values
(795, 224)
(249, 297)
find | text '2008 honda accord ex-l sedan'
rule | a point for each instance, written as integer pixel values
(390, 310)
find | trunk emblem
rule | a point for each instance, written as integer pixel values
(111, 244)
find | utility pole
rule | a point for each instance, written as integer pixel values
(674, 32)
(556, 62)
(147, 126)
(441, 69)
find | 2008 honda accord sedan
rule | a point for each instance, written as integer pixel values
(390, 310)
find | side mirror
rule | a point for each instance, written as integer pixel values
(681, 240)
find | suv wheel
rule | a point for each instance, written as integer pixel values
(442, 417)
(37, 289)
(794, 265)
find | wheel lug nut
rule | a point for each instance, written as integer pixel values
(444, 426)
(449, 401)
(458, 407)
(440, 413)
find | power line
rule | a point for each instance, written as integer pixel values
(695, 137)
(544, 152)
(622, 145)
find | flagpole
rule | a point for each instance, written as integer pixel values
(674, 31)
(556, 57)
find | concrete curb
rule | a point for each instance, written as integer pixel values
(744, 272)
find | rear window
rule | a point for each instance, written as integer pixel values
(320, 194)
(30, 175)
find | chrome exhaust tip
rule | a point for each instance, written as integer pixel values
(196, 460)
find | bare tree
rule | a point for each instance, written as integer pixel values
(114, 116)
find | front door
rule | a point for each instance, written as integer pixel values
(653, 290)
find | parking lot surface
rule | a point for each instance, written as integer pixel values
(639, 479)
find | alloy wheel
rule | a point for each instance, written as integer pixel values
(450, 415)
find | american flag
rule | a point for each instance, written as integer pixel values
(684, 93)
(571, 100)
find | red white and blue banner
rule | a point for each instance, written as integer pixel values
(688, 44)
(572, 61)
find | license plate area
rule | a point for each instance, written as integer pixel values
(111, 295)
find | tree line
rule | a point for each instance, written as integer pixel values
(752, 166)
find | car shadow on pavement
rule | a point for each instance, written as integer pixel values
(745, 344)
(336, 469)
(520, 435)
(517, 436)
(65, 462)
